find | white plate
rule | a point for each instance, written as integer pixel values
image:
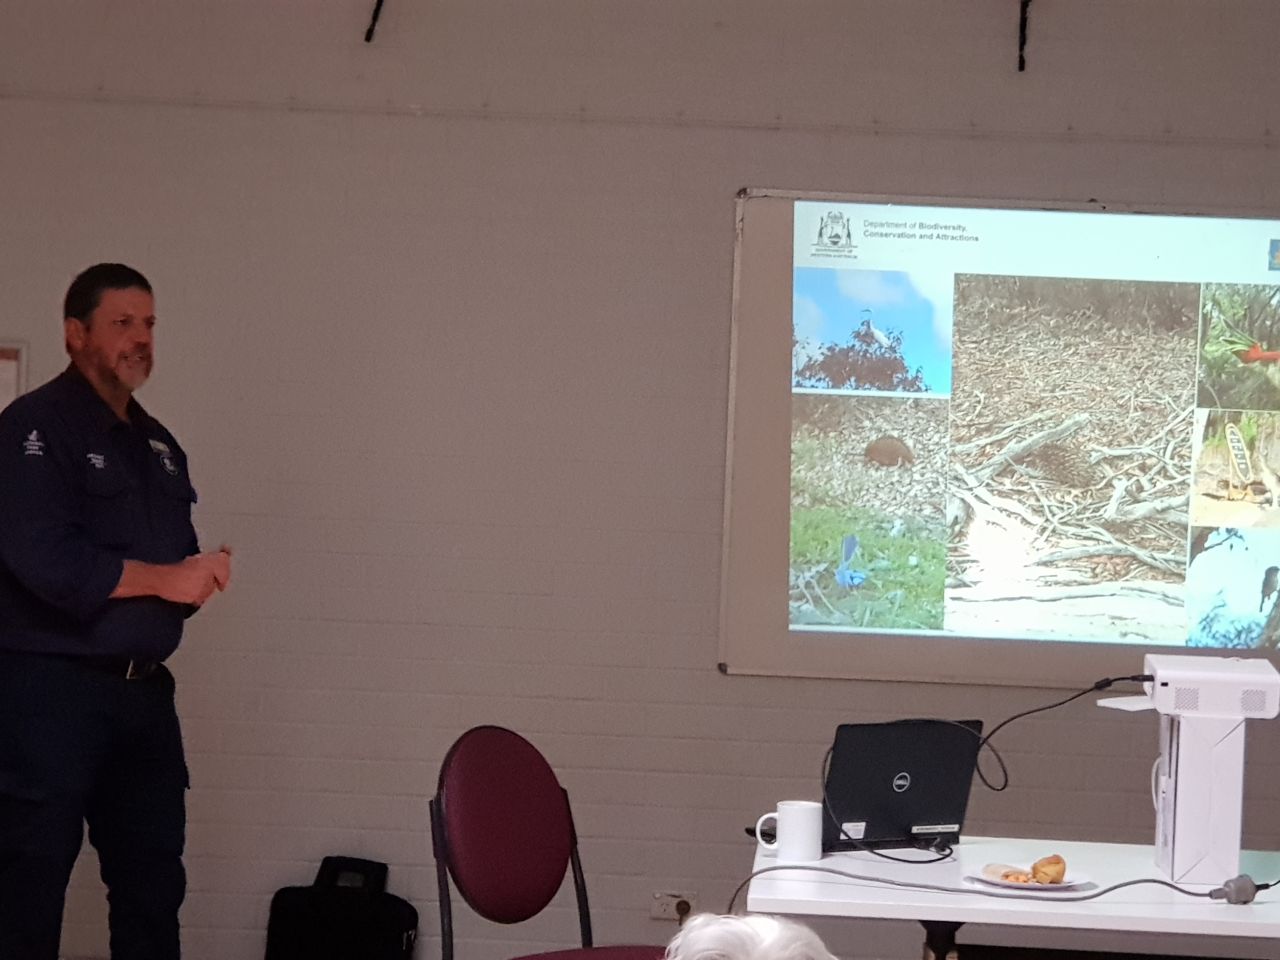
(1069, 882)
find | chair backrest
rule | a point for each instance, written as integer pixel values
(501, 824)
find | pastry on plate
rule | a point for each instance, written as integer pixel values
(1052, 869)
(1046, 870)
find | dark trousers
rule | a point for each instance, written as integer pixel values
(80, 744)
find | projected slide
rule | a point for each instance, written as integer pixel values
(1035, 424)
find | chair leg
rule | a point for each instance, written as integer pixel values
(442, 880)
(579, 881)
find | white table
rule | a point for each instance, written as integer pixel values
(1146, 908)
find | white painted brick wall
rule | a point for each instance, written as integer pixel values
(444, 327)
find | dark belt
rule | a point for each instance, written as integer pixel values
(130, 669)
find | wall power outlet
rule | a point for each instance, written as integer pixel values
(672, 905)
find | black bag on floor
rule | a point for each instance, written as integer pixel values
(346, 914)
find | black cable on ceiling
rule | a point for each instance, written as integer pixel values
(373, 23)
(1022, 35)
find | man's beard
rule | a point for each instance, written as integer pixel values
(132, 372)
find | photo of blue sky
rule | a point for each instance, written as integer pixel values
(830, 306)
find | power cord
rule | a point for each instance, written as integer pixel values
(985, 741)
(1241, 889)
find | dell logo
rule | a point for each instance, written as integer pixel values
(901, 782)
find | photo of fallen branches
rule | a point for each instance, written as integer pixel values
(1070, 471)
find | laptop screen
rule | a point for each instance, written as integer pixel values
(899, 784)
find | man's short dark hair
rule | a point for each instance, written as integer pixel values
(85, 292)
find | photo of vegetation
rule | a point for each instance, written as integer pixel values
(1240, 347)
(868, 539)
(1070, 472)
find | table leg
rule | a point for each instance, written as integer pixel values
(940, 939)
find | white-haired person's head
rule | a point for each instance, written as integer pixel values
(708, 936)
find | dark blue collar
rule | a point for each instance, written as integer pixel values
(76, 389)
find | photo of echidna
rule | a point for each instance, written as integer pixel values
(889, 451)
(868, 539)
(1065, 464)
(1072, 412)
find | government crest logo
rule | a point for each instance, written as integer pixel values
(835, 231)
(835, 237)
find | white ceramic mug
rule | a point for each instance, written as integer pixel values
(798, 831)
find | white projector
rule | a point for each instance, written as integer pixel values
(1198, 780)
(1212, 686)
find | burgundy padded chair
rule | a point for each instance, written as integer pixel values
(501, 827)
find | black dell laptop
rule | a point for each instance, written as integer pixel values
(899, 784)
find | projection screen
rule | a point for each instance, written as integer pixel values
(998, 443)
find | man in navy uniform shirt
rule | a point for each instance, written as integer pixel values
(99, 566)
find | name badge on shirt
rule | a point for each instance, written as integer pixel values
(166, 457)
